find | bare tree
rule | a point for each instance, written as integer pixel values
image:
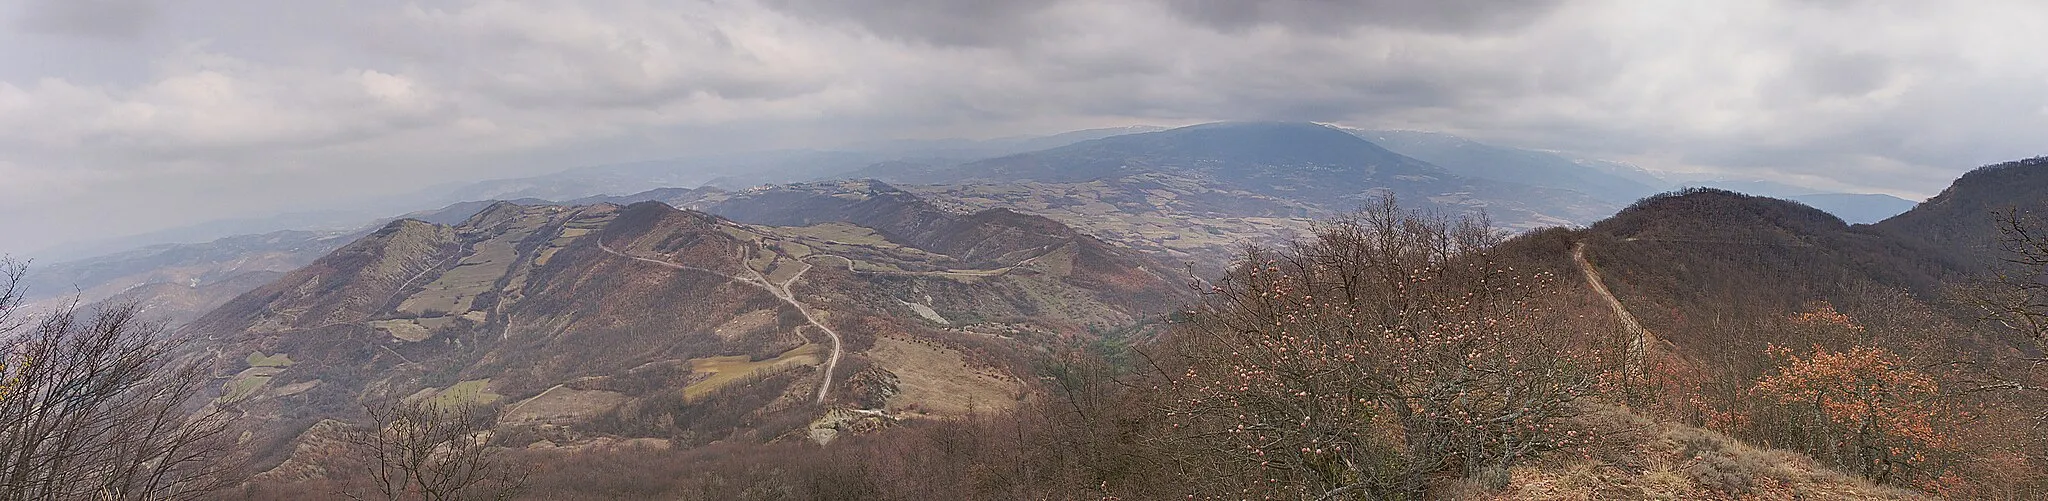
(2019, 297)
(2016, 297)
(420, 449)
(95, 406)
(1391, 348)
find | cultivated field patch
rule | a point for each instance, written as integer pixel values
(725, 370)
(258, 359)
(456, 290)
(939, 381)
(473, 391)
(562, 404)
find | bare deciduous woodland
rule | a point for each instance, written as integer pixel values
(94, 406)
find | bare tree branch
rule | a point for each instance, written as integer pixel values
(95, 407)
(424, 450)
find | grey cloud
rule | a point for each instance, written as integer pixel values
(976, 23)
(290, 109)
(1837, 73)
(111, 19)
(1191, 73)
(1832, 4)
(572, 61)
(1327, 16)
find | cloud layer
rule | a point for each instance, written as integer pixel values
(118, 116)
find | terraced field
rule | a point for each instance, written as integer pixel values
(456, 290)
(250, 381)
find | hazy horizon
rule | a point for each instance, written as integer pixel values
(120, 117)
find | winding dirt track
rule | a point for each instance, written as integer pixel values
(1639, 341)
(780, 291)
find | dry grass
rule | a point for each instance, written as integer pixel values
(782, 270)
(247, 383)
(1634, 457)
(841, 239)
(474, 391)
(561, 404)
(939, 381)
(722, 371)
(926, 311)
(545, 255)
(842, 233)
(744, 324)
(242, 387)
(408, 330)
(294, 388)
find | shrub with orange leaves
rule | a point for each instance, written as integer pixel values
(1863, 409)
(1824, 315)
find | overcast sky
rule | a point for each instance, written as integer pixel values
(122, 116)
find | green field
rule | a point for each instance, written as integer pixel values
(246, 383)
(474, 391)
(453, 291)
(244, 387)
(258, 359)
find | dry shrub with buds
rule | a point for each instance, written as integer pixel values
(1392, 349)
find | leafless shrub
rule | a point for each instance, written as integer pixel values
(421, 450)
(1391, 348)
(93, 406)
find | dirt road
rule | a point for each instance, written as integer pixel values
(780, 291)
(1639, 336)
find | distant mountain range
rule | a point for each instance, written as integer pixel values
(1861, 208)
(1196, 194)
(1611, 181)
(741, 170)
(1189, 195)
(1535, 168)
(918, 162)
(1199, 192)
